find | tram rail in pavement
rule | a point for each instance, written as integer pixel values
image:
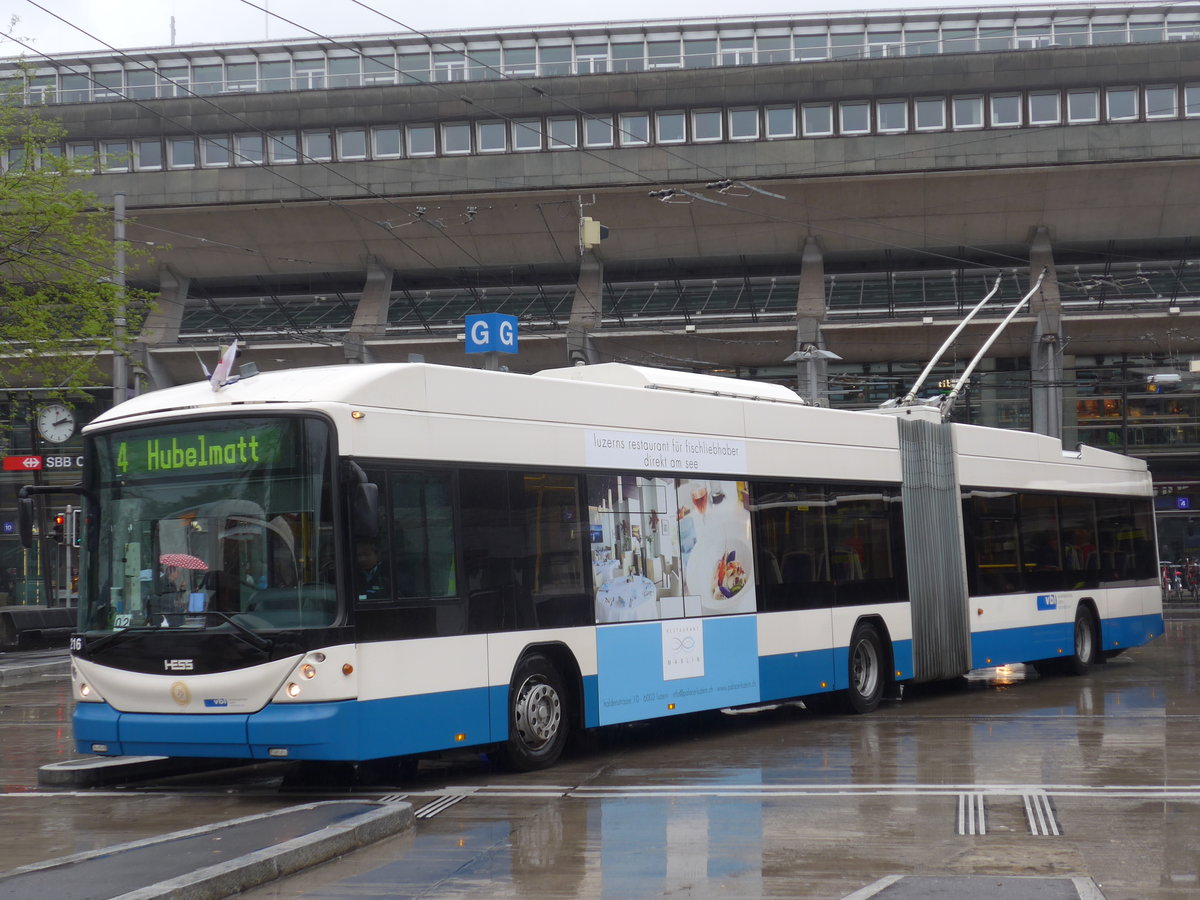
(212, 861)
(204, 863)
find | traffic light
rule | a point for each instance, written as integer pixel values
(56, 533)
(74, 533)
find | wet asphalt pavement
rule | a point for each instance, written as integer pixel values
(1006, 787)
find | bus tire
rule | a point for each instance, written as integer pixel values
(538, 718)
(865, 669)
(1087, 640)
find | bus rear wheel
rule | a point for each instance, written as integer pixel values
(1087, 640)
(865, 669)
(538, 720)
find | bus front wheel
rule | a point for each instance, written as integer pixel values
(537, 715)
(866, 674)
(1087, 639)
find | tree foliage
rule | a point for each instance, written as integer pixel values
(59, 300)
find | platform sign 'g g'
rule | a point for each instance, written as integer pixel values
(491, 333)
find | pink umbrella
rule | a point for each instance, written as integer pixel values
(182, 561)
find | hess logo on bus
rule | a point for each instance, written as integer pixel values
(178, 665)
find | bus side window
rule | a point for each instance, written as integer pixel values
(373, 555)
(487, 554)
(422, 516)
(991, 527)
(789, 522)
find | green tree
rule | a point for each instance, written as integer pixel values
(59, 302)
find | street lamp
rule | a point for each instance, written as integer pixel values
(810, 353)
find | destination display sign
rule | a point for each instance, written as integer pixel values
(185, 451)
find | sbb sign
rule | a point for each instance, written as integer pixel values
(64, 462)
(491, 333)
(34, 463)
(22, 463)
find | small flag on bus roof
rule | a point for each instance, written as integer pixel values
(220, 376)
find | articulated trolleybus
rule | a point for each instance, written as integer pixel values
(362, 562)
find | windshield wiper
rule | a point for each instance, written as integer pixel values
(257, 641)
(249, 636)
(104, 640)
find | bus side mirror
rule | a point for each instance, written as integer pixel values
(365, 509)
(25, 521)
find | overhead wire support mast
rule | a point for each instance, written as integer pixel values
(948, 403)
(941, 351)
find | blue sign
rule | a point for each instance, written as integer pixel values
(8, 528)
(653, 669)
(491, 333)
(1047, 601)
(1183, 502)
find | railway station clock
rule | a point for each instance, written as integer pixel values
(55, 422)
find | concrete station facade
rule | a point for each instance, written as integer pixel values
(849, 182)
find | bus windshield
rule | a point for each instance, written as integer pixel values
(201, 523)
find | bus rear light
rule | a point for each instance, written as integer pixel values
(293, 689)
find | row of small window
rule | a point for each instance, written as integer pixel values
(809, 120)
(587, 54)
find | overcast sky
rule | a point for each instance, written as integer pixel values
(129, 24)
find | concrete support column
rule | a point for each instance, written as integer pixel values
(586, 310)
(160, 329)
(1045, 352)
(371, 315)
(149, 374)
(811, 357)
(161, 326)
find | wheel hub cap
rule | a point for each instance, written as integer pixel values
(538, 713)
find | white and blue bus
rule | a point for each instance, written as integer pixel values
(371, 561)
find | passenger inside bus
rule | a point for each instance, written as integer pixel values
(371, 575)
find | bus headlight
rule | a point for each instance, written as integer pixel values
(308, 670)
(293, 690)
(85, 689)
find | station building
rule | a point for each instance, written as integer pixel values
(815, 200)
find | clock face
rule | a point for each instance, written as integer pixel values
(55, 422)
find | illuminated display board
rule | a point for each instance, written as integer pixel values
(177, 450)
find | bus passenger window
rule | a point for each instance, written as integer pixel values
(423, 535)
(991, 526)
(789, 523)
